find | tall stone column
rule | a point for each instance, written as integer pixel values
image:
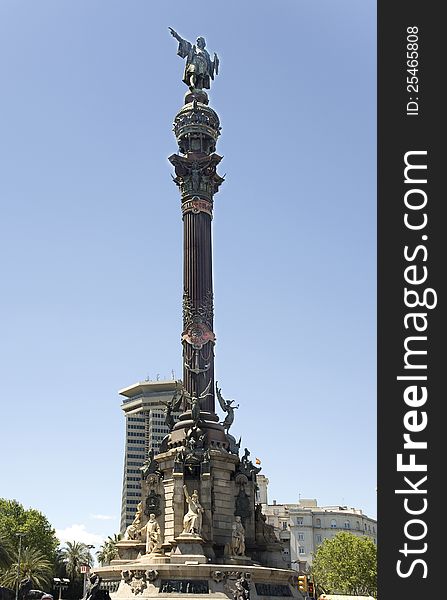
(197, 128)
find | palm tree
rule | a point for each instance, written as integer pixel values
(108, 550)
(33, 565)
(5, 554)
(74, 555)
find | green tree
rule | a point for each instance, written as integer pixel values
(74, 555)
(33, 565)
(39, 534)
(108, 551)
(346, 564)
(5, 554)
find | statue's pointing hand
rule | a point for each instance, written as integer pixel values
(174, 33)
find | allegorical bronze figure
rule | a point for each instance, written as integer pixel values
(199, 69)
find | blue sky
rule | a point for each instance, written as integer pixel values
(91, 241)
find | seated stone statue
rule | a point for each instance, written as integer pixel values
(133, 531)
(192, 521)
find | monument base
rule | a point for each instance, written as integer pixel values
(211, 580)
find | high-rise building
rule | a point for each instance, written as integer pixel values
(144, 412)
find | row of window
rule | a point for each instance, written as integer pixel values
(135, 434)
(136, 427)
(346, 525)
(136, 419)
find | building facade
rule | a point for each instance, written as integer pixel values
(303, 526)
(144, 412)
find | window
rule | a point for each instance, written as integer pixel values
(333, 524)
(357, 523)
(317, 522)
(302, 550)
(284, 525)
(347, 525)
(319, 538)
(301, 536)
(299, 520)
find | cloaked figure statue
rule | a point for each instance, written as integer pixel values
(199, 68)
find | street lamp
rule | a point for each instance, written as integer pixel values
(20, 535)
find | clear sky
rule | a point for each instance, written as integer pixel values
(91, 241)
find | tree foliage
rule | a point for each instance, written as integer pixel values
(108, 550)
(33, 565)
(5, 553)
(39, 534)
(75, 554)
(346, 564)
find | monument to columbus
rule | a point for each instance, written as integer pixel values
(198, 529)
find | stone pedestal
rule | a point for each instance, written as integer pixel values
(129, 550)
(154, 558)
(188, 550)
(236, 561)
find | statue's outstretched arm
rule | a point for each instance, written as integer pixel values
(179, 38)
(185, 489)
(221, 400)
(175, 34)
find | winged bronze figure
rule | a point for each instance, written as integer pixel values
(226, 406)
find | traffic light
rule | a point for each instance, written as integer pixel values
(302, 583)
(310, 588)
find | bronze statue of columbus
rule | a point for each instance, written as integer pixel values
(199, 68)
